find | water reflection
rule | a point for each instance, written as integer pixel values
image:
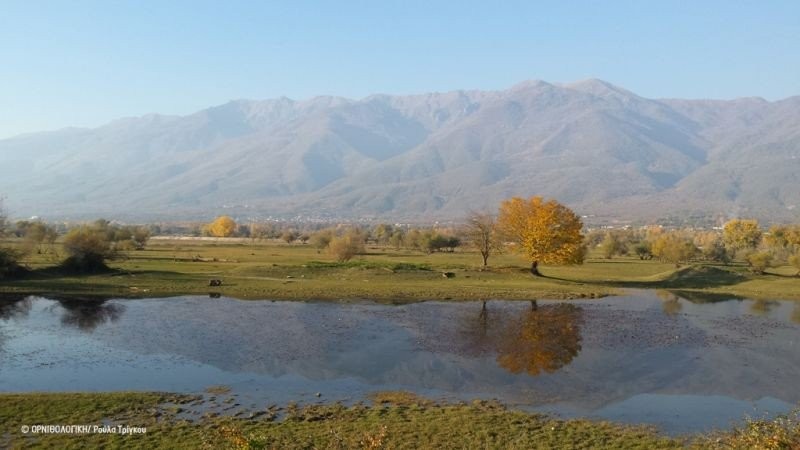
(542, 340)
(762, 307)
(670, 302)
(699, 297)
(539, 340)
(14, 306)
(577, 358)
(87, 314)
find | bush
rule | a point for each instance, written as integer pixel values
(673, 248)
(87, 249)
(794, 260)
(782, 432)
(759, 262)
(9, 262)
(613, 244)
(289, 236)
(643, 251)
(438, 243)
(344, 248)
(717, 252)
(139, 237)
(321, 239)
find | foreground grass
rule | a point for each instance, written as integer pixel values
(396, 420)
(134, 409)
(280, 271)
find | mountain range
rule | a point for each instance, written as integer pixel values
(604, 151)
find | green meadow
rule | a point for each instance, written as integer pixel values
(276, 270)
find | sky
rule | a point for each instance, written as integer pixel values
(85, 63)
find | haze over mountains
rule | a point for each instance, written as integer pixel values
(602, 150)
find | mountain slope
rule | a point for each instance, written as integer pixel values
(601, 149)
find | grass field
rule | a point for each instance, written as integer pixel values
(395, 420)
(275, 270)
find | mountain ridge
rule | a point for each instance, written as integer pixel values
(603, 150)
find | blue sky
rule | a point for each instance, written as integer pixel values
(84, 63)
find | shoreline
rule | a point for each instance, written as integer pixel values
(390, 417)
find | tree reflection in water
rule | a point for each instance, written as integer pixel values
(762, 307)
(13, 305)
(542, 339)
(88, 314)
(670, 302)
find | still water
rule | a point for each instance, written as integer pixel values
(680, 362)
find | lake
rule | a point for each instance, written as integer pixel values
(682, 362)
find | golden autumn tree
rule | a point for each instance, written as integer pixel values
(222, 226)
(545, 232)
(740, 234)
(674, 248)
(783, 237)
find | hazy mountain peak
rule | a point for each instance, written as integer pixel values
(598, 147)
(531, 85)
(598, 87)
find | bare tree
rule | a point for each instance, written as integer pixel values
(480, 231)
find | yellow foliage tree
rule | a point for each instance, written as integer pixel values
(740, 234)
(222, 226)
(783, 236)
(674, 248)
(544, 231)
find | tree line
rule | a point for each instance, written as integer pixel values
(543, 231)
(737, 240)
(84, 247)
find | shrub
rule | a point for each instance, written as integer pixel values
(782, 432)
(673, 248)
(321, 239)
(87, 249)
(642, 250)
(9, 262)
(139, 237)
(289, 236)
(8, 257)
(759, 261)
(717, 252)
(794, 260)
(344, 248)
(613, 244)
(438, 243)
